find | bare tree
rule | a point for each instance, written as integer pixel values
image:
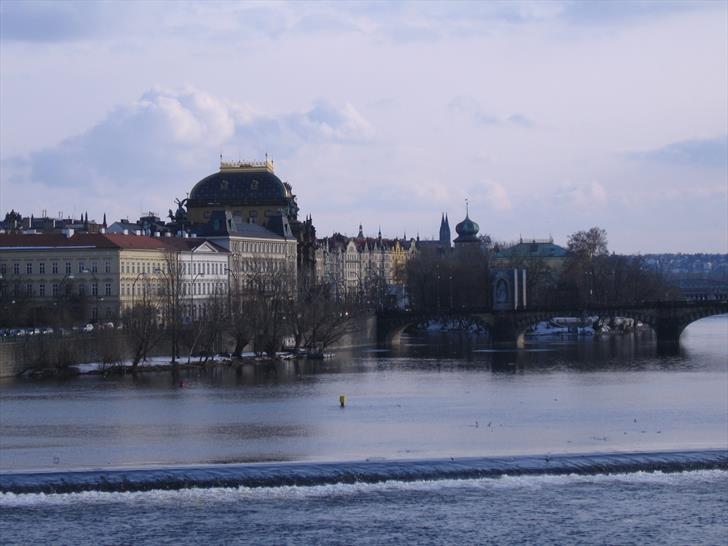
(142, 324)
(270, 292)
(588, 244)
(171, 289)
(318, 317)
(241, 325)
(205, 331)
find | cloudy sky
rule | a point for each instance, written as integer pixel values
(549, 117)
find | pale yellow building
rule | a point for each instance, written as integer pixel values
(98, 275)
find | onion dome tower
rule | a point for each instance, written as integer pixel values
(467, 230)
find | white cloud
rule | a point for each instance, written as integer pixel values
(581, 197)
(470, 109)
(490, 195)
(157, 147)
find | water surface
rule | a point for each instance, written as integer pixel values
(434, 396)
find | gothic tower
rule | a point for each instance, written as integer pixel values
(444, 232)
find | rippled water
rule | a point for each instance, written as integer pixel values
(636, 508)
(434, 397)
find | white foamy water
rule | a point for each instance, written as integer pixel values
(232, 494)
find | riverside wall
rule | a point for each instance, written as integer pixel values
(53, 351)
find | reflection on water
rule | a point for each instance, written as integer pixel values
(433, 396)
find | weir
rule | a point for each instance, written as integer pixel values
(313, 474)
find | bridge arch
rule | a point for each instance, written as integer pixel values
(391, 326)
(667, 319)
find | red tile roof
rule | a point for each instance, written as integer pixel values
(10, 241)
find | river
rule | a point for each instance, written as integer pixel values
(438, 397)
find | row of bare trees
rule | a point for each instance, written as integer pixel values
(260, 309)
(593, 275)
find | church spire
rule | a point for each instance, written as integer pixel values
(445, 237)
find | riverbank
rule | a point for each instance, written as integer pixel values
(164, 363)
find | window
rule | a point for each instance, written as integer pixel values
(108, 289)
(16, 269)
(81, 267)
(3, 269)
(81, 289)
(95, 267)
(41, 290)
(107, 266)
(68, 268)
(54, 268)
(29, 268)
(29, 289)
(94, 289)
(41, 268)
(54, 289)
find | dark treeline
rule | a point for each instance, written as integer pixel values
(589, 274)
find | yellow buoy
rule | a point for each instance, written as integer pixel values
(342, 400)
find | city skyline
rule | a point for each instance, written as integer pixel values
(547, 117)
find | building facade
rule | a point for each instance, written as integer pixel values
(96, 276)
(365, 267)
(253, 250)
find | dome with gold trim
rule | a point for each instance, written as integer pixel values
(241, 183)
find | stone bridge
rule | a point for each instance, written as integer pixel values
(507, 328)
